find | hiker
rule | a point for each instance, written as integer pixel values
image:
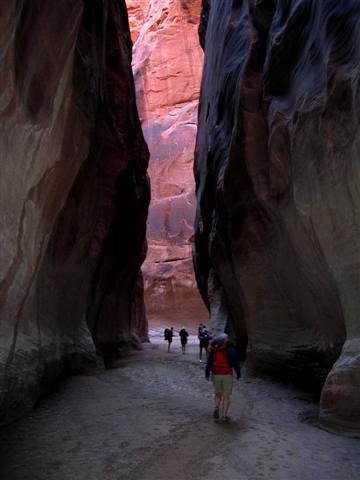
(183, 339)
(221, 362)
(204, 339)
(168, 335)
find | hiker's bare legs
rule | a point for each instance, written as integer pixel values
(217, 402)
(201, 348)
(226, 405)
(169, 343)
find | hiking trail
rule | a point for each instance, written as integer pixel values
(151, 419)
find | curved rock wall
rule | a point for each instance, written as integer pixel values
(73, 194)
(277, 174)
(167, 66)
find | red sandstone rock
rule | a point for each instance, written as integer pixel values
(73, 194)
(277, 170)
(167, 63)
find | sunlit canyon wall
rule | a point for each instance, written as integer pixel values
(167, 64)
(277, 183)
(74, 194)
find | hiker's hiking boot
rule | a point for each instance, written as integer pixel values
(226, 419)
(216, 413)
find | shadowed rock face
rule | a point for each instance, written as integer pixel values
(73, 194)
(167, 65)
(277, 224)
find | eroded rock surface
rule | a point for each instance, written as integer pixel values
(73, 194)
(277, 172)
(167, 65)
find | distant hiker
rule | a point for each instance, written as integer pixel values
(168, 335)
(183, 339)
(204, 339)
(221, 362)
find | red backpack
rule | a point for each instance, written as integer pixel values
(220, 365)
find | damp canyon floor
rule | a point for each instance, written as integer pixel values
(151, 419)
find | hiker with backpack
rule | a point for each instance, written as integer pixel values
(204, 339)
(183, 339)
(168, 335)
(221, 363)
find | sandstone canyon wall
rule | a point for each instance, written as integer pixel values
(73, 194)
(167, 64)
(277, 172)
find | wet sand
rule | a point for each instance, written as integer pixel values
(151, 419)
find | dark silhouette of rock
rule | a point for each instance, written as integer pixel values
(74, 194)
(277, 174)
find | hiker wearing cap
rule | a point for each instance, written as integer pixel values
(221, 363)
(183, 339)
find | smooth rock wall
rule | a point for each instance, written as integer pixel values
(278, 181)
(167, 64)
(73, 194)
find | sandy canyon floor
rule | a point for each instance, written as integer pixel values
(151, 419)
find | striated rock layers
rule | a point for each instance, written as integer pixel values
(73, 194)
(167, 66)
(277, 254)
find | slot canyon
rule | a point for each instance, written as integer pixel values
(167, 64)
(167, 163)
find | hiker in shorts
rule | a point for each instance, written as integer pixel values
(168, 335)
(183, 339)
(221, 363)
(204, 339)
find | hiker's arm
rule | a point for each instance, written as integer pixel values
(208, 366)
(235, 362)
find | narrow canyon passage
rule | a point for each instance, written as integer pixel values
(167, 64)
(151, 419)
